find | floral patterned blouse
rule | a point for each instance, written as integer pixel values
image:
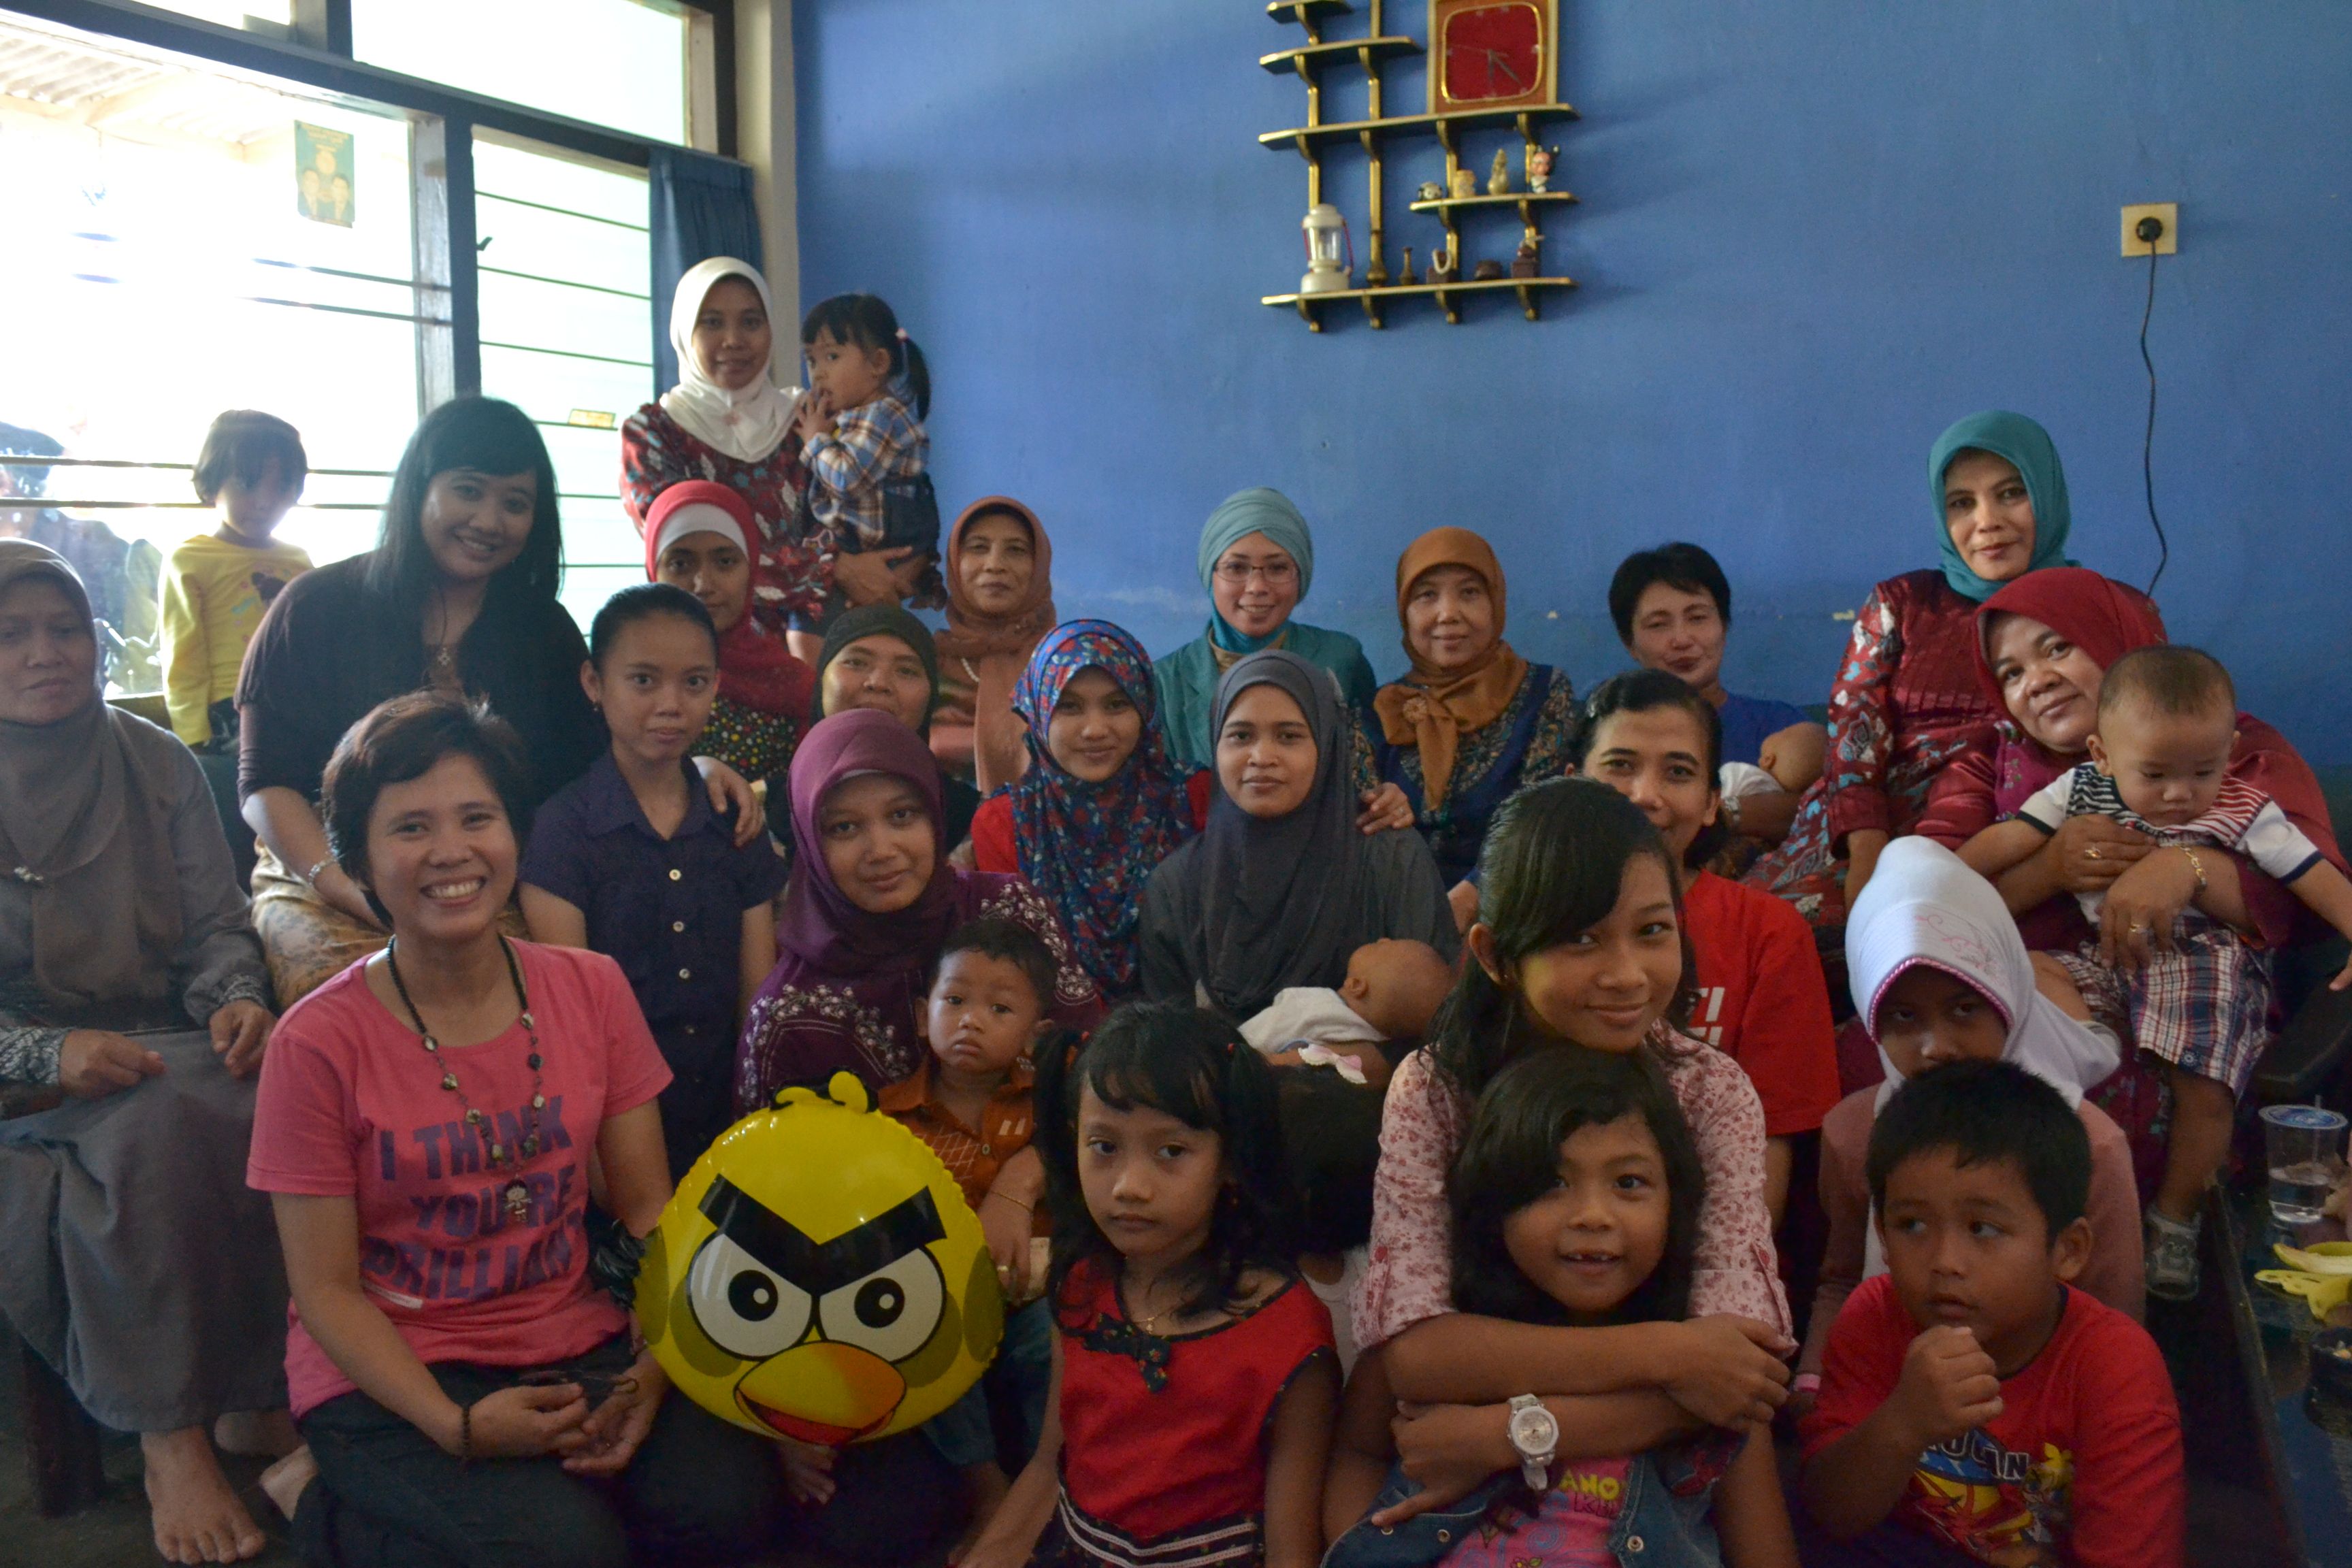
(788, 573)
(1908, 700)
(1409, 1276)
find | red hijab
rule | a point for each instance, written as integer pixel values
(756, 671)
(2103, 618)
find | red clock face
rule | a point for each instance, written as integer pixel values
(1494, 52)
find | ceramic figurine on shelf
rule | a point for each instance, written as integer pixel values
(1528, 262)
(1499, 178)
(1540, 161)
(1432, 191)
(1464, 183)
(1441, 266)
(1486, 272)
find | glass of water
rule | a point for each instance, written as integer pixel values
(2305, 1145)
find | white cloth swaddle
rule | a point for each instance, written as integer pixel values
(1922, 905)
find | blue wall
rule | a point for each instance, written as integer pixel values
(1810, 235)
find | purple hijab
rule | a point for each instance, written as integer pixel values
(849, 988)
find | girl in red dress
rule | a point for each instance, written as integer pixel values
(1195, 1383)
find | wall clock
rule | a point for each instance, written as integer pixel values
(1491, 54)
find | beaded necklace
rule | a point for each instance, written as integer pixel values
(517, 1195)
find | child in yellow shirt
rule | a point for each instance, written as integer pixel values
(217, 585)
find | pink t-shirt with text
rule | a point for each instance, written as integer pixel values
(352, 1106)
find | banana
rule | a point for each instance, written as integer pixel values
(2322, 1293)
(2327, 1257)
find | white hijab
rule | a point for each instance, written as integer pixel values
(749, 425)
(1923, 906)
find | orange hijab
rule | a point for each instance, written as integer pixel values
(971, 632)
(1429, 710)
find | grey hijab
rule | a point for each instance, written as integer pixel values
(85, 826)
(1282, 901)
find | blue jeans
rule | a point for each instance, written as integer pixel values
(1009, 1399)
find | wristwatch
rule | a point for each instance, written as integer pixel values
(1536, 1435)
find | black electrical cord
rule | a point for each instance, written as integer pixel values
(2148, 441)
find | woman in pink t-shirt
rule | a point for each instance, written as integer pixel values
(424, 1126)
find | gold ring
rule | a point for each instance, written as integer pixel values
(2092, 853)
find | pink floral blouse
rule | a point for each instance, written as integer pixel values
(1410, 1275)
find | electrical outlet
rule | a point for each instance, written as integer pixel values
(2166, 213)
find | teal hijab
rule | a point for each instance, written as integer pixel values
(2027, 447)
(1254, 511)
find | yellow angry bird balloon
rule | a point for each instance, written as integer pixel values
(819, 1275)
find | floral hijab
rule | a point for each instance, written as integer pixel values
(1090, 848)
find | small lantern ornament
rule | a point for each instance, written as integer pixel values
(1330, 252)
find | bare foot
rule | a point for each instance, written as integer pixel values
(286, 1481)
(197, 1518)
(257, 1434)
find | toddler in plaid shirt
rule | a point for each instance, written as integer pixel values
(863, 441)
(2198, 996)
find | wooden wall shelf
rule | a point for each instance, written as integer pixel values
(1526, 201)
(1310, 306)
(1306, 137)
(1311, 58)
(1312, 140)
(1306, 11)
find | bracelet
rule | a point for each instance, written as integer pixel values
(2194, 864)
(310, 877)
(1009, 1198)
(465, 1434)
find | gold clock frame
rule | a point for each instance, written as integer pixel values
(1545, 89)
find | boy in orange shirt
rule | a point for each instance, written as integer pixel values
(971, 1102)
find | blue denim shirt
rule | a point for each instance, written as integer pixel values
(1665, 1521)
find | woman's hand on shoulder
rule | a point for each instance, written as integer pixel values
(335, 887)
(731, 791)
(1727, 1371)
(95, 1063)
(240, 1031)
(1386, 809)
(2091, 852)
(614, 1429)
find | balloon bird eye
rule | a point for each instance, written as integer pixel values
(745, 1309)
(891, 1312)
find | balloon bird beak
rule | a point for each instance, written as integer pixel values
(822, 1392)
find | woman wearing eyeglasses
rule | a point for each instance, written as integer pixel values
(1256, 561)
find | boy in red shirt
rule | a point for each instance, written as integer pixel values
(1970, 1396)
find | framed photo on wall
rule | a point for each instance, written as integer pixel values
(1491, 54)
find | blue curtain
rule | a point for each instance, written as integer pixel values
(701, 207)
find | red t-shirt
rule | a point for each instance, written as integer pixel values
(352, 1106)
(995, 848)
(2082, 1463)
(1761, 999)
